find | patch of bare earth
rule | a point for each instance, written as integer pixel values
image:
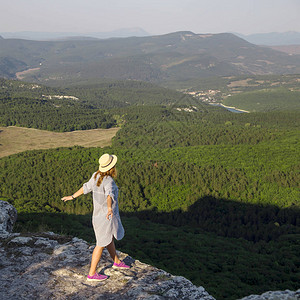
(18, 139)
(239, 83)
(289, 49)
(21, 75)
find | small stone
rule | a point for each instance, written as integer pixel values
(46, 242)
(60, 249)
(4, 235)
(51, 233)
(154, 297)
(26, 250)
(171, 293)
(77, 240)
(21, 240)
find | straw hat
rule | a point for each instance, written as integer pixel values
(106, 162)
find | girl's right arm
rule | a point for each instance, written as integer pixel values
(75, 195)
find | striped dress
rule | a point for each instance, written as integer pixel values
(104, 229)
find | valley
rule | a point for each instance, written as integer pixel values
(205, 193)
(269, 89)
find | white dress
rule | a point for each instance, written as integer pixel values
(104, 229)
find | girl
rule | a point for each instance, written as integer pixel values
(106, 219)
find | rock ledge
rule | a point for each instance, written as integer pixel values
(47, 265)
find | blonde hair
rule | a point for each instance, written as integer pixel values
(112, 173)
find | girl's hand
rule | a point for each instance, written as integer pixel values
(67, 198)
(74, 196)
(109, 214)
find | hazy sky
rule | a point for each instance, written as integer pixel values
(154, 16)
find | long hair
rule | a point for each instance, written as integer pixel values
(112, 173)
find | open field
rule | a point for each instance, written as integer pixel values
(289, 49)
(266, 100)
(18, 139)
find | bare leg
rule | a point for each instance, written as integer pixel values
(112, 251)
(95, 259)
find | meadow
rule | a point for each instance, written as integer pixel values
(19, 139)
(266, 100)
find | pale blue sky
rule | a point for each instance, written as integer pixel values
(154, 16)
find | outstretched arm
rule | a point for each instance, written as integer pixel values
(75, 195)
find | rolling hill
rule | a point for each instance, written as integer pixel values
(174, 56)
(48, 36)
(78, 107)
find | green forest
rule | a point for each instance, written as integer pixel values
(83, 107)
(204, 193)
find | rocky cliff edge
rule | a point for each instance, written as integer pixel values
(51, 266)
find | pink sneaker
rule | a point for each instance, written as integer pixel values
(96, 277)
(121, 265)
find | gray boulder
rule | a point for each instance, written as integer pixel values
(275, 295)
(8, 217)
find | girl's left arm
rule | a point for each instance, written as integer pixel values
(109, 208)
(75, 195)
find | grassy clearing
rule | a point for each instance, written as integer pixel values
(266, 100)
(18, 139)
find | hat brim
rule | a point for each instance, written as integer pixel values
(110, 166)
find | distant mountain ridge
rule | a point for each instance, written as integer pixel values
(170, 57)
(44, 36)
(273, 38)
